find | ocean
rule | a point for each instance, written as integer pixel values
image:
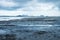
(28, 30)
(9, 18)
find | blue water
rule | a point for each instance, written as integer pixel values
(30, 30)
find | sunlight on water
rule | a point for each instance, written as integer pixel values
(9, 18)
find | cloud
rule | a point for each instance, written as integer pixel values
(56, 2)
(49, 1)
(12, 13)
(32, 8)
(22, 1)
(12, 4)
(42, 9)
(7, 4)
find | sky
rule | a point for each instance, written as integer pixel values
(30, 7)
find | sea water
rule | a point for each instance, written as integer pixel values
(9, 18)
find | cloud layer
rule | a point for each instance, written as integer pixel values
(30, 7)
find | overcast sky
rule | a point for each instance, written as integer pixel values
(30, 7)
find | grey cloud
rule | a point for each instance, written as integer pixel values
(9, 8)
(56, 2)
(53, 1)
(20, 3)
